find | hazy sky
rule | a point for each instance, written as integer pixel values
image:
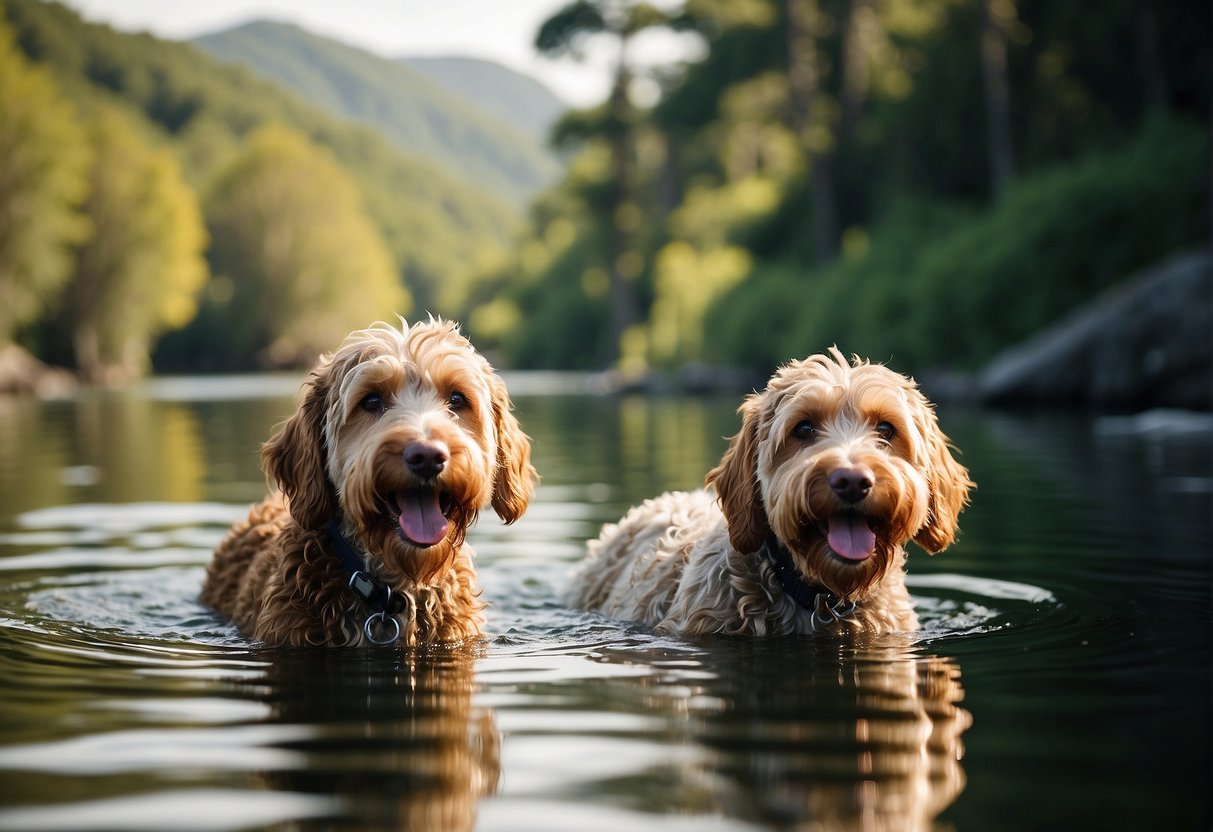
(501, 30)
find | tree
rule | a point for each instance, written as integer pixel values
(887, 116)
(298, 264)
(42, 180)
(142, 268)
(564, 33)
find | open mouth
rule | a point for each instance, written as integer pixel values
(850, 536)
(421, 515)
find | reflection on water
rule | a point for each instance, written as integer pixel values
(1065, 640)
(130, 448)
(397, 742)
(882, 747)
(839, 736)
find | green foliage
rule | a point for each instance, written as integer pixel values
(416, 113)
(545, 305)
(748, 326)
(298, 262)
(688, 281)
(564, 32)
(942, 286)
(546, 308)
(863, 303)
(731, 168)
(43, 162)
(142, 268)
(1058, 238)
(564, 329)
(436, 224)
(698, 230)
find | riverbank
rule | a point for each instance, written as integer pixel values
(1146, 344)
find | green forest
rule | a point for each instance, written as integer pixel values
(925, 182)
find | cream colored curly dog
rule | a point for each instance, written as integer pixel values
(837, 465)
(401, 438)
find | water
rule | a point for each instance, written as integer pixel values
(1061, 680)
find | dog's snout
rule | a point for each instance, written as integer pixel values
(852, 484)
(426, 459)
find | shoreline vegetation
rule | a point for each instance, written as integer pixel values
(1092, 358)
(969, 191)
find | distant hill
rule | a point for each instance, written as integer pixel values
(411, 108)
(434, 219)
(511, 96)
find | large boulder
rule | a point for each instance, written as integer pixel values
(1146, 343)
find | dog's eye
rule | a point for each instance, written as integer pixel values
(885, 431)
(372, 403)
(805, 431)
(457, 401)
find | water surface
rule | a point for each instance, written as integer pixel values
(1061, 680)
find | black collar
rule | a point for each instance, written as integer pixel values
(794, 585)
(367, 586)
(826, 608)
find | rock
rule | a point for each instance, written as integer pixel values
(20, 372)
(1145, 343)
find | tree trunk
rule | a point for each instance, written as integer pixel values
(804, 87)
(997, 93)
(860, 30)
(86, 347)
(1154, 92)
(623, 292)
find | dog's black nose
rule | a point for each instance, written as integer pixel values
(426, 459)
(852, 484)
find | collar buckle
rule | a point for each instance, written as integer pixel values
(375, 593)
(363, 584)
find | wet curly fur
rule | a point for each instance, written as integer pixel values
(840, 462)
(400, 431)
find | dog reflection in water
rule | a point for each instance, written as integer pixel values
(900, 767)
(395, 739)
(818, 736)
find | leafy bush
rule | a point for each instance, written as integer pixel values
(863, 303)
(1057, 239)
(942, 287)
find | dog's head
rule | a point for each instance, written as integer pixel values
(407, 434)
(844, 462)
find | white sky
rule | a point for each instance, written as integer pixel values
(500, 30)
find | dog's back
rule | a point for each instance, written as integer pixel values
(235, 577)
(634, 568)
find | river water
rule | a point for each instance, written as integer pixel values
(1061, 679)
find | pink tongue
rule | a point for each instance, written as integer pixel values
(421, 519)
(850, 537)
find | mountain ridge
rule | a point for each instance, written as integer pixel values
(414, 110)
(512, 96)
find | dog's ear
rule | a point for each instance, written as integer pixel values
(294, 456)
(736, 482)
(949, 483)
(515, 477)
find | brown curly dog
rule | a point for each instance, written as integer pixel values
(837, 465)
(402, 436)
